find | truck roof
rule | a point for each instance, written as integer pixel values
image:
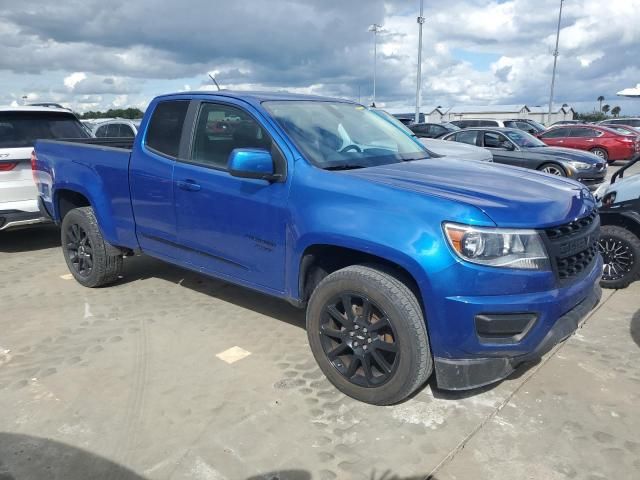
(258, 96)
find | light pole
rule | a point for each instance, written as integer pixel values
(419, 79)
(375, 28)
(555, 62)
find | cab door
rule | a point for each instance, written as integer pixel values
(151, 179)
(233, 227)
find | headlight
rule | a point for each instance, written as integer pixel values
(600, 191)
(498, 247)
(580, 165)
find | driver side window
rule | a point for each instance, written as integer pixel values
(494, 140)
(222, 128)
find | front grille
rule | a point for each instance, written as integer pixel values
(574, 265)
(573, 247)
(571, 228)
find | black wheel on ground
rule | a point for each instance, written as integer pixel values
(620, 251)
(601, 152)
(91, 260)
(553, 169)
(368, 335)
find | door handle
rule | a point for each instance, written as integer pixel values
(188, 185)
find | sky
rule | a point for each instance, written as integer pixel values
(95, 55)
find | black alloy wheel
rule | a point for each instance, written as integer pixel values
(79, 250)
(359, 340)
(620, 250)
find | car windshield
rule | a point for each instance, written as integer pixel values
(337, 135)
(524, 139)
(538, 126)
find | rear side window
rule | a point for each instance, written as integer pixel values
(165, 127)
(486, 123)
(469, 137)
(22, 129)
(556, 133)
(584, 132)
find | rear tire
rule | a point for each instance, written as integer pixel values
(620, 250)
(367, 333)
(553, 169)
(90, 259)
(601, 152)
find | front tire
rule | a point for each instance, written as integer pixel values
(90, 259)
(367, 333)
(553, 169)
(620, 250)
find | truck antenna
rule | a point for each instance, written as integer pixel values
(214, 81)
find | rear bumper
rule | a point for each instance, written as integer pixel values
(20, 214)
(14, 219)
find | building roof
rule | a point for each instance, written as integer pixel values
(545, 109)
(424, 109)
(487, 108)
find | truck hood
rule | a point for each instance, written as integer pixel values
(510, 196)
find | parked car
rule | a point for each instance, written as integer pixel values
(619, 207)
(623, 129)
(439, 148)
(118, 128)
(409, 118)
(566, 122)
(515, 147)
(602, 141)
(19, 128)
(48, 105)
(408, 266)
(529, 126)
(456, 150)
(432, 130)
(632, 122)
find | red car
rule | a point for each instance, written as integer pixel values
(604, 142)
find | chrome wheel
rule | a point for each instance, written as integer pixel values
(617, 256)
(553, 170)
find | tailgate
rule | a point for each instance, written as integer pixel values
(16, 179)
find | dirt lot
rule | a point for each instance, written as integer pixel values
(171, 375)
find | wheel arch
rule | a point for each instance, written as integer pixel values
(320, 259)
(627, 220)
(66, 199)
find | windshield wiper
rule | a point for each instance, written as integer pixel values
(344, 166)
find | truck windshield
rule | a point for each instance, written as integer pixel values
(22, 129)
(337, 135)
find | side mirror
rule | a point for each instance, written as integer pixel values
(253, 163)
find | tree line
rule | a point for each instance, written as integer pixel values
(130, 113)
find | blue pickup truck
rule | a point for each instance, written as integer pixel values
(408, 266)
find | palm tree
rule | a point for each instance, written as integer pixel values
(600, 99)
(615, 111)
(605, 109)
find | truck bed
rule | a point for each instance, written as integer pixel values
(98, 169)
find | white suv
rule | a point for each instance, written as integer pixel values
(19, 129)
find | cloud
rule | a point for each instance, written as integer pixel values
(130, 51)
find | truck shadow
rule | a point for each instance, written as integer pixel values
(141, 267)
(38, 237)
(28, 457)
(634, 328)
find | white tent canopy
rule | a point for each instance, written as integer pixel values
(630, 92)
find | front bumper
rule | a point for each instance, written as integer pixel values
(464, 374)
(591, 178)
